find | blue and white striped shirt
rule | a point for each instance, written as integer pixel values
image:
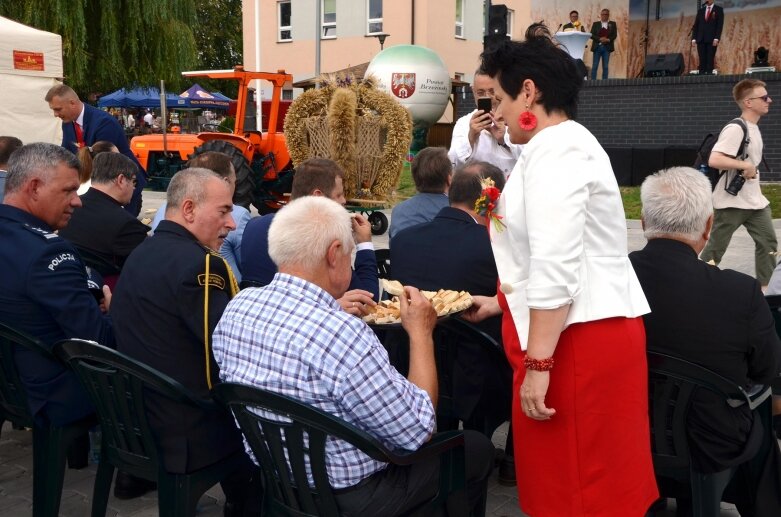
(293, 338)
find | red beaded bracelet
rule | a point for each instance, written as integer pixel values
(540, 365)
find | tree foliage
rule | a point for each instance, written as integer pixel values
(109, 44)
(218, 36)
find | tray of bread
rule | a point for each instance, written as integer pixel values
(388, 312)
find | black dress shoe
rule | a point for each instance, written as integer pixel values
(507, 471)
(129, 487)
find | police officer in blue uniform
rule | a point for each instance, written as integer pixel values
(44, 282)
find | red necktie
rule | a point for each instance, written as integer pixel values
(79, 134)
(707, 14)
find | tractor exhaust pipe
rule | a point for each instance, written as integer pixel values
(164, 116)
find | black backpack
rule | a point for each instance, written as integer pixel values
(703, 153)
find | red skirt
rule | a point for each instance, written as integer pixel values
(593, 457)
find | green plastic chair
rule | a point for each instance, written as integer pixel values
(448, 335)
(672, 384)
(286, 490)
(50, 442)
(116, 385)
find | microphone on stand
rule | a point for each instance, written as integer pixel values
(559, 28)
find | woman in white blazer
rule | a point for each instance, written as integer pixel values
(572, 305)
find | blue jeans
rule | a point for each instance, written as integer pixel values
(603, 53)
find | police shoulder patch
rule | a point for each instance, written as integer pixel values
(59, 259)
(40, 232)
(214, 280)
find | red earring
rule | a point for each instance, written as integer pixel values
(527, 120)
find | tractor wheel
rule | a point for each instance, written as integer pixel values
(245, 185)
(379, 222)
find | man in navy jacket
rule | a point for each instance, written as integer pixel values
(83, 125)
(315, 177)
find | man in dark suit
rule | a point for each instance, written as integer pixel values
(706, 33)
(603, 34)
(454, 252)
(172, 292)
(315, 177)
(716, 318)
(574, 23)
(83, 125)
(100, 225)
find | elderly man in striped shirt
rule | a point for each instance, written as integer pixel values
(292, 337)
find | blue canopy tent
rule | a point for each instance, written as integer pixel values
(198, 97)
(139, 98)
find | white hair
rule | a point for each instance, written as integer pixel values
(676, 202)
(303, 230)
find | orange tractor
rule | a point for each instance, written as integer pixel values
(263, 166)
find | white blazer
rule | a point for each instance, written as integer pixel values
(565, 236)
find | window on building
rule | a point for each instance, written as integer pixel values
(287, 95)
(374, 16)
(459, 18)
(510, 22)
(329, 18)
(283, 18)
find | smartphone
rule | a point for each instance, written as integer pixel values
(484, 104)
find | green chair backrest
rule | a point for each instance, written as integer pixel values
(116, 385)
(292, 434)
(13, 396)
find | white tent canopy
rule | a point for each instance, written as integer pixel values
(30, 64)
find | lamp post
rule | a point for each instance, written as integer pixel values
(381, 37)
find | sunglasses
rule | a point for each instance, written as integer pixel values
(132, 178)
(763, 97)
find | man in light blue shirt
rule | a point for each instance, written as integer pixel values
(431, 172)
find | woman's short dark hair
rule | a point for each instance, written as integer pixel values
(538, 58)
(431, 169)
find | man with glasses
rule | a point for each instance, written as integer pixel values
(739, 201)
(480, 136)
(101, 225)
(574, 23)
(603, 34)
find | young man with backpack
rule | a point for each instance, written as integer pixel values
(737, 198)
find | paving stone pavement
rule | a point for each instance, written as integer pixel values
(16, 446)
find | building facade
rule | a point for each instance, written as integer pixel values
(282, 34)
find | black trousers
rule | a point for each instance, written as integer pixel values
(243, 490)
(397, 489)
(707, 54)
